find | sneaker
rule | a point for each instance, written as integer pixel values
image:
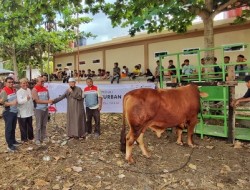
(96, 135)
(46, 140)
(38, 143)
(25, 142)
(68, 138)
(11, 149)
(87, 134)
(17, 143)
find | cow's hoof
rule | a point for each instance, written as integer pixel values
(192, 145)
(148, 155)
(131, 161)
(179, 143)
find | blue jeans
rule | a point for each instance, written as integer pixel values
(10, 120)
(115, 77)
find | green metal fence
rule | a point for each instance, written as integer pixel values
(215, 107)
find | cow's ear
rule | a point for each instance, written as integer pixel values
(203, 94)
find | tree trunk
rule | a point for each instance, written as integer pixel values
(14, 61)
(209, 39)
(41, 61)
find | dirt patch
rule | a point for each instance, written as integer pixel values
(97, 163)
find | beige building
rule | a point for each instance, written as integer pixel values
(144, 48)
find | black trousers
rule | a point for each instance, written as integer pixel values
(93, 113)
(26, 128)
(66, 79)
(10, 120)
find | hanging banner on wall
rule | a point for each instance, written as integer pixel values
(112, 94)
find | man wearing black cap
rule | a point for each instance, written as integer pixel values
(246, 97)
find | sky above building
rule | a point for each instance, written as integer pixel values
(102, 28)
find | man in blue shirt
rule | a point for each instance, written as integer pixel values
(187, 69)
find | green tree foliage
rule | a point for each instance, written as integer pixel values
(157, 15)
(31, 28)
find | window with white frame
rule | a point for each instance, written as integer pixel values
(190, 51)
(162, 53)
(96, 61)
(234, 47)
(81, 62)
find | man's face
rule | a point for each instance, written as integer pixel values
(186, 62)
(170, 63)
(202, 61)
(89, 83)
(72, 84)
(239, 59)
(40, 82)
(24, 85)
(9, 83)
(45, 78)
(226, 60)
(248, 84)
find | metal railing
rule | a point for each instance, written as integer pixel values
(215, 106)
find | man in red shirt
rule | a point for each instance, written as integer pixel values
(9, 100)
(41, 99)
(93, 102)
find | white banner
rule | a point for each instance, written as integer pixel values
(112, 94)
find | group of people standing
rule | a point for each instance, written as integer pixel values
(18, 106)
(76, 118)
(22, 104)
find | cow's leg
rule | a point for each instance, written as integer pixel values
(129, 146)
(157, 131)
(142, 145)
(190, 131)
(179, 135)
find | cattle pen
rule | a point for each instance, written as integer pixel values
(218, 118)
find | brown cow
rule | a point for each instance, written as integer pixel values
(158, 110)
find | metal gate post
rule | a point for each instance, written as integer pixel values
(231, 115)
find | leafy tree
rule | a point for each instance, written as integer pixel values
(29, 28)
(176, 15)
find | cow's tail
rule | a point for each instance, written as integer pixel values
(123, 131)
(202, 95)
